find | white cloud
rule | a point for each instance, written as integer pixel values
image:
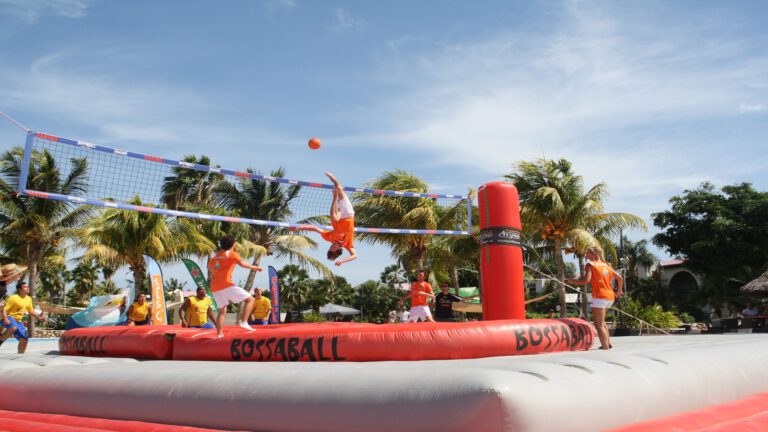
(276, 8)
(597, 89)
(58, 85)
(344, 21)
(745, 107)
(31, 10)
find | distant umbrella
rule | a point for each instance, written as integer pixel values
(331, 308)
(757, 286)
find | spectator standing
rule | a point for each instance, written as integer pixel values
(444, 303)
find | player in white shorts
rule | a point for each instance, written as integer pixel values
(224, 291)
(420, 291)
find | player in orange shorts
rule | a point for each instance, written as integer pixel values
(342, 236)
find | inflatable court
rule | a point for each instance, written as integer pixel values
(642, 379)
(333, 342)
(503, 374)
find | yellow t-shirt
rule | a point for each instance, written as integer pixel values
(261, 309)
(197, 312)
(16, 306)
(139, 312)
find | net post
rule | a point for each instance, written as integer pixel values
(501, 253)
(25, 163)
(469, 214)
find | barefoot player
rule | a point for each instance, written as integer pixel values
(342, 235)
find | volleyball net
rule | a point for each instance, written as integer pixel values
(134, 181)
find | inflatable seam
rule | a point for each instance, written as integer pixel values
(619, 364)
(580, 367)
(535, 374)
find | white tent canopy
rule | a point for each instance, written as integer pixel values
(331, 308)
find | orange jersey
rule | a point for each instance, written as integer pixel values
(343, 232)
(221, 265)
(420, 299)
(600, 278)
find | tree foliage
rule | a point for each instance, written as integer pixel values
(555, 207)
(31, 228)
(399, 212)
(720, 233)
(270, 201)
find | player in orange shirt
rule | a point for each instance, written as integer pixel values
(600, 275)
(420, 291)
(223, 289)
(342, 236)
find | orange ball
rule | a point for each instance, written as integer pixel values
(314, 143)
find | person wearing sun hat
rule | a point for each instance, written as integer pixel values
(8, 274)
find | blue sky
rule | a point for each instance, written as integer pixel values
(651, 97)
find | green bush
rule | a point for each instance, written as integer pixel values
(313, 317)
(654, 315)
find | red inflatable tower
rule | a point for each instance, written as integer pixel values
(501, 256)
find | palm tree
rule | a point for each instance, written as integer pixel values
(174, 284)
(636, 254)
(52, 274)
(383, 211)
(393, 275)
(295, 284)
(554, 204)
(121, 237)
(32, 228)
(448, 254)
(84, 276)
(269, 201)
(190, 187)
(375, 300)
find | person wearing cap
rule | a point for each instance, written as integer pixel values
(261, 308)
(139, 312)
(551, 314)
(13, 313)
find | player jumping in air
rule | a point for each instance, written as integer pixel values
(342, 235)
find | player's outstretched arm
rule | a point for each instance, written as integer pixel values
(352, 256)
(246, 264)
(335, 182)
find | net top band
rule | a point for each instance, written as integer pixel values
(206, 168)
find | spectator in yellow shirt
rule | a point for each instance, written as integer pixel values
(197, 311)
(139, 312)
(15, 308)
(261, 308)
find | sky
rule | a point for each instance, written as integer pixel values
(650, 97)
